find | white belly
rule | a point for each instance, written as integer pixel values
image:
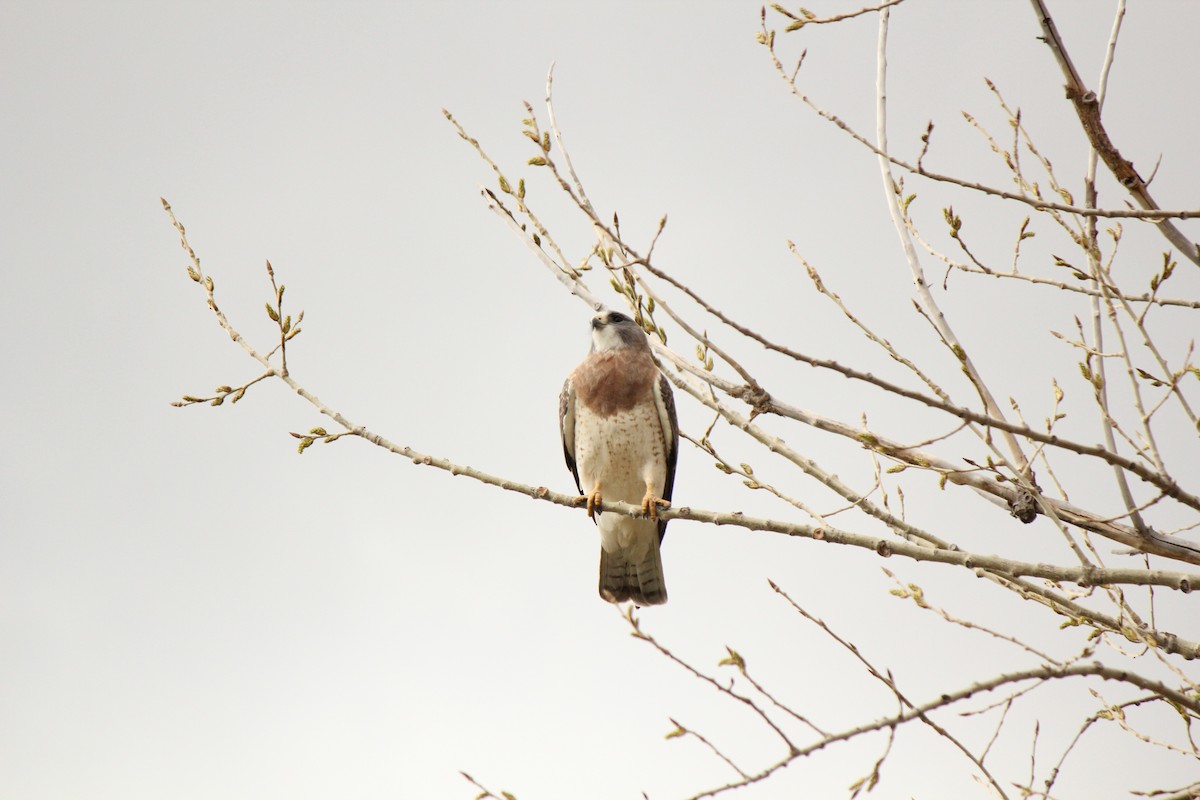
(624, 453)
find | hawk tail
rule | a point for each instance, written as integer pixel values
(640, 581)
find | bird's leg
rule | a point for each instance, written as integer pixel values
(592, 499)
(652, 502)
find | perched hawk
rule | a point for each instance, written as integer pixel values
(621, 440)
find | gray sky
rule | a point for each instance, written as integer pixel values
(191, 610)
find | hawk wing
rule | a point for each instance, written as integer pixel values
(566, 427)
(664, 399)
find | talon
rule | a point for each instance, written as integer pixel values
(652, 502)
(593, 501)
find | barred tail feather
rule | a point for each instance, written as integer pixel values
(641, 581)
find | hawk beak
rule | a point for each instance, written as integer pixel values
(597, 322)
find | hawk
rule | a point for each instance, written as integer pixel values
(621, 440)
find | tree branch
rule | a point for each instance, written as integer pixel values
(1087, 108)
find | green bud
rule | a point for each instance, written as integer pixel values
(537, 161)
(733, 660)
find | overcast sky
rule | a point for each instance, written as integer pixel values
(188, 609)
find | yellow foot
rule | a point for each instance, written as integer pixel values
(592, 501)
(651, 503)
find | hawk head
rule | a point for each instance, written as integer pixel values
(612, 330)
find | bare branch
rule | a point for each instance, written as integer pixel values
(1042, 205)
(1087, 108)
